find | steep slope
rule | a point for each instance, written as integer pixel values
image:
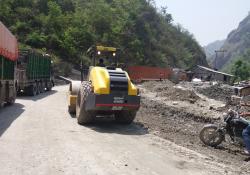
(67, 28)
(236, 45)
(210, 49)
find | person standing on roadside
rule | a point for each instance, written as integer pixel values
(245, 106)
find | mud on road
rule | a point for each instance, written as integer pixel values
(39, 136)
(177, 113)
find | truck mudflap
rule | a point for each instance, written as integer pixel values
(112, 102)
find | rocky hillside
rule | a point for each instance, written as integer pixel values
(237, 45)
(66, 28)
(210, 48)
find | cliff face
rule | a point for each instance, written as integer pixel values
(210, 49)
(236, 44)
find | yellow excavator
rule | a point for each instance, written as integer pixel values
(108, 90)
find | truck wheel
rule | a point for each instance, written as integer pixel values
(83, 116)
(125, 117)
(11, 101)
(12, 96)
(41, 87)
(38, 86)
(32, 90)
(49, 86)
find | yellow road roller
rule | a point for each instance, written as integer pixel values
(107, 90)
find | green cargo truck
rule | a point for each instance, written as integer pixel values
(8, 57)
(34, 72)
(7, 83)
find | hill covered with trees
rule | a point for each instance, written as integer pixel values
(67, 28)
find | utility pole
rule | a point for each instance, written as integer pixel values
(216, 56)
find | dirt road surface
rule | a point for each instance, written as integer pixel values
(38, 136)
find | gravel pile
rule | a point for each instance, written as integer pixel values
(179, 94)
(158, 86)
(219, 92)
(182, 123)
(170, 91)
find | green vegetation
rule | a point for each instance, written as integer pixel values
(66, 28)
(237, 47)
(241, 67)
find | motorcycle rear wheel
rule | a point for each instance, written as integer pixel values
(211, 136)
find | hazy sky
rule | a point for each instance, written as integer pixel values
(208, 20)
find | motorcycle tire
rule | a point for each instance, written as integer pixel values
(211, 136)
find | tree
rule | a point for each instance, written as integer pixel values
(66, 28)
(241, 70)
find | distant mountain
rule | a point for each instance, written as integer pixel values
(237, 45)
(210, 48)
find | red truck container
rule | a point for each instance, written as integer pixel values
(8, 44)
(140, 73)
(8, 56)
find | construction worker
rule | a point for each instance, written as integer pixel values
(245, 103)
(101, 63)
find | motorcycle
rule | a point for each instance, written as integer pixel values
(232, 125)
